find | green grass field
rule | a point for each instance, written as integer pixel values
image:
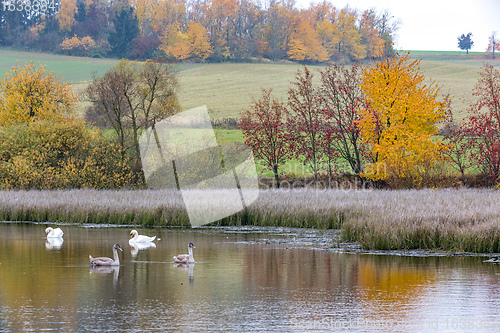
(228, 88)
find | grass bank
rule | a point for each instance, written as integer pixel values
(448, 219)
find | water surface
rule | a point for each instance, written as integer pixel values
(245, 280)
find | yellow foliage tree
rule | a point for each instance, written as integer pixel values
(347, 36)
(66, 15)
(28, 93)
(400, 120)
(199, 42)
(176, 43)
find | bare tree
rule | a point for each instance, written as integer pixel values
(130, 98)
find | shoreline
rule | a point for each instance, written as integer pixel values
(447, 220)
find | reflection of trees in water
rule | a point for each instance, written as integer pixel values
(390, 287)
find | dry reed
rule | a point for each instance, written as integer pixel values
(446, 219)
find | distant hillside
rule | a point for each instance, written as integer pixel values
(228, 88)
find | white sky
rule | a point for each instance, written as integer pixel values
(434, 24)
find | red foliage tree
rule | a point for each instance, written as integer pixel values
(265, 130)
(484, 123)
(459, 145)
(305, 103)
(342, 98)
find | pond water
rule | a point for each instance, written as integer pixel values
(244, 280)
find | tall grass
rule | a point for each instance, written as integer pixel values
(446, 219)
(148, 207)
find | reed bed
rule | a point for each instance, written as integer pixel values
(445, 219)
(144, 207)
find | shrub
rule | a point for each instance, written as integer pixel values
(55, 155)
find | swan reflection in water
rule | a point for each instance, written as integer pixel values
(54, 243)
(136, 247)
(186, 267)
(106, 270)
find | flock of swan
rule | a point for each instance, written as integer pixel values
(135, 239)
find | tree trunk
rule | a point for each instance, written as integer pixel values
(276, 177)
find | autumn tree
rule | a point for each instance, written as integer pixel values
(459, 145)
(465, 42)
(66, 15)
(370, 36)
(493, 44)
(192, 44)
(219, 20)
(342, 102)
(175, 43)
(483, 125)
(305, 102)
(199, 42)
(400, 119)
(265, 130)
(347, 36)
(387, 26)
(165, 13)
(29, 93)
(59, 155)
(305, 44)
(278, 25)
(130, 98)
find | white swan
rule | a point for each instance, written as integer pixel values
(104, 261)
(186, 258)
(494, 259)
(136, 238)
(54, 243)
(57, 232)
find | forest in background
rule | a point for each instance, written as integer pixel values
(198, 30)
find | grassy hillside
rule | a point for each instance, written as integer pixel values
(227, 89)
(73, 69)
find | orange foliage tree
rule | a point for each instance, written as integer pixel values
(28, 93)
(305, 44)
(370, 37)
(400, 120)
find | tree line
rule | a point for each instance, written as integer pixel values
(201, 30)
(383, 123)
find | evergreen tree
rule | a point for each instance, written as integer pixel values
(126, 29)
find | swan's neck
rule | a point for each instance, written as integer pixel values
(116, 257)
(190, 251)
